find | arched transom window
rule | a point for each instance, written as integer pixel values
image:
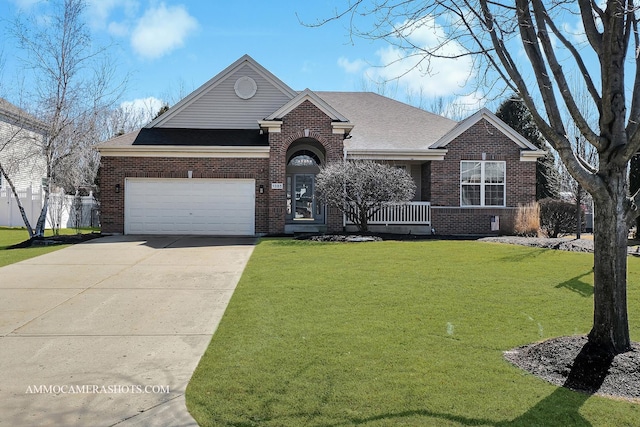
(304, 158)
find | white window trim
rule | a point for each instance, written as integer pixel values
(482, 184)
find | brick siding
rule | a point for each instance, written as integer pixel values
(445, 181)
(114, 170)
(305, 116)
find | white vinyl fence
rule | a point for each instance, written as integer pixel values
(65, 211)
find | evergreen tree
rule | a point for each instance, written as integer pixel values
(162, 110)
(514, 113)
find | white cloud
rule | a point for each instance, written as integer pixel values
(465, 105)
(161, 30)
(142, 109)
(351, 67)
(423, 32)
(99, 12)
(432, 77)
(411, 71)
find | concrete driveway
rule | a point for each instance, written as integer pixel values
(109, 332)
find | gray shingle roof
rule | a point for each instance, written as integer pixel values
(384, 123)
(121, 141)
(19, 117)
(380, 123)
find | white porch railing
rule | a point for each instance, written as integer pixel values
(402, 213)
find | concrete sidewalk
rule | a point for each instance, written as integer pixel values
(109, 332)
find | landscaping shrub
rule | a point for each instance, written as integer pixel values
(558, 217)
(527, 221)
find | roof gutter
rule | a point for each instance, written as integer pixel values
(386, 154)
(531, 156)
(184, 151)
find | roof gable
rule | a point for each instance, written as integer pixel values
(487, 115)
(307, 95)
(218, 104)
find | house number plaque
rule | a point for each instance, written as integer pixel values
(277, 186)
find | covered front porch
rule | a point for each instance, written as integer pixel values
(306, 215)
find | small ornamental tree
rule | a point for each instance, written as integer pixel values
(360, 188)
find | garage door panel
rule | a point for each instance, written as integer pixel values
(190, 206)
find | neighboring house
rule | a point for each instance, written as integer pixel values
(21, 157)
(240, 154)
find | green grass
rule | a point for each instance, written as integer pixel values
(400, 333)
(10, 236)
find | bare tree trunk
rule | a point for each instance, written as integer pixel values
(610, 321)
(364, 218)
(23, 214)
(578, 211)
(42, 219)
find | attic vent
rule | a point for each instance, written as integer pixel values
(245, 87)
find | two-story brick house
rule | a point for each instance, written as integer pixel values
(239, 156)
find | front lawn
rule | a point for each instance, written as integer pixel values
(400, 333)
(10, 236)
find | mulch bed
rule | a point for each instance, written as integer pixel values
(570, 362)
(345, 238)
(56, 240)
(571, 245)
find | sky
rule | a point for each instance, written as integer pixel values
(169, 48)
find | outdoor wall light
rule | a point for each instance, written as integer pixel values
(117, 188)
(261, 189)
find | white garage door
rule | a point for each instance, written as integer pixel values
(189, 206)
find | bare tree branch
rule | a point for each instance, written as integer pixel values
(587, 10)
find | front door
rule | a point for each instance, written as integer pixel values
(302, 203)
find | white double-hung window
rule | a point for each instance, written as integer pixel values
(482, 183)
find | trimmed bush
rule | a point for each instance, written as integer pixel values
(558, 217)
(359, 188)
(527, 221)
